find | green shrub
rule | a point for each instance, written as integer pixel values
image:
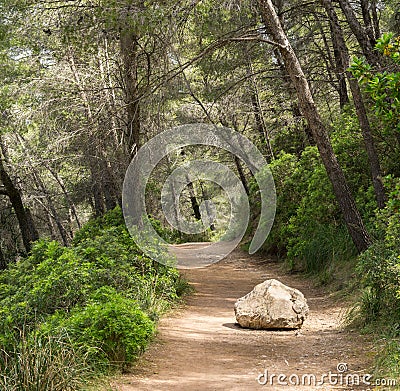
(101, 294)
(379, 266)
(378, 272)
(308, 228)
(95, 227)
(309, 231)
(288, 197)
(110, 328)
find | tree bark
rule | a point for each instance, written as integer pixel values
(369, 29)
(51, 209)
(340, 66)
(257, 109)
(209, 214)
(108, 188)
(241, 175)
(28, 230)
(360, 33)
(175, 207)
(98, 201)
(193, 200)
(373, 159)
(94, 161)
(66, 195)
(3, 263)
(337, 67)
(339, 42)
(284, 73)
(308, 108)
(297, 114)
(129, 52)
(375, 20)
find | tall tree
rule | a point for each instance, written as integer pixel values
(129, 47)
(309, 110)
(344, 60)
(364, 35)
(3, 263)
(28, 230)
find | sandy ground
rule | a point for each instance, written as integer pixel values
(199, 347)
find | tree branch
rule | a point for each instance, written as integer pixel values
(256, 37)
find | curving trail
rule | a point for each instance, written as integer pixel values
(199, 347)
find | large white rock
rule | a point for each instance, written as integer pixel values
(272, 305)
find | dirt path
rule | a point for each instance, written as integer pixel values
(199, 347)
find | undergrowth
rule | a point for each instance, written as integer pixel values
(69, 314)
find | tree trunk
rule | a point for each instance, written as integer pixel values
(361, 35)
(25, 221)
(375, 20)
(3, 263)
(108, 188)
(66, 195)
(334, 72)
(129, 53)
(193, 200)
(96, 172)
(290, 88)
(308, 108)
(373, 159)
(241, 175)
(52, 211)
(257, 109)
(208, 211)
(340, 67)
(369, 29)
(175, 208)
(98, 201)
(50, 226)
(297, 114)
(109, 90)
(339, 42)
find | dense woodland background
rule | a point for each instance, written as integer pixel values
(314, 84)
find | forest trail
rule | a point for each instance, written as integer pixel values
(199, 347)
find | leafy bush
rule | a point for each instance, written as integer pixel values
(288, 196)
(308, 228)
(379, 266)
(99, 297)
(111, 328)
(382, 87)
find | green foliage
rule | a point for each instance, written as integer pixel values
(288, 195)
(349, 148)
(308, 228)
(388, 359)
(101, 295)
(379, 266)
(110, 328)
(170, 235)
(378, 277)
(389, 45)
(112, 219)
(308, 225)
(382, 87)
